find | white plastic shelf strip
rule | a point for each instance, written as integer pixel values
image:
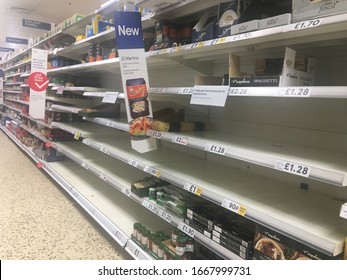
(288, 92)
(109, 122)
(35, 133)
(102, 94)
(260, 152)
(12, 108)
(17, 101)
(69, 109)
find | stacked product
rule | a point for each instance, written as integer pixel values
(161, 246)
(230, 230)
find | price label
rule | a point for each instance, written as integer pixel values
(193, 189)
(109, 124)
(60, 90)
(238, 91)
(293, 168)
(304, 24)
(234, 207)
(197, 45)
(110, 97)
(104, 150)
(156, 134)
(164, 215)
(159, 90)
(152, 171)
(150, 206)
(136, 252)
(103, 177)
(77, 135)
(186, 229)
(186, 90)
(180, 140)
(84, 165)
(295, 92)
(343, 211)
(126, 191)
(133, 163)
(220, 150)
(242, 36)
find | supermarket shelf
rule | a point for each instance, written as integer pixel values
(328, 28)
(13, 75)
(13, 108)
(111, 64)
(114, 123)
(103, 166)
(74, 50)
(72, 101)
(78, 89)
(10, 117)
(103, 94)
(24, 86)
(25, 75)
(293, 92)
(322, 165)
(12, 84)
(39, 122)
(34, 133)
(17, 101)
(265, 201)
(19, 64)
(84, 129)
(12, 91)
(69, 109)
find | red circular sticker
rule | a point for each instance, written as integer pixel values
(48, 144)
(38, 81)
(39, 164)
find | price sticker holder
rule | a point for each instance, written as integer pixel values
(136, 251)
(343, 211)
(150, 206)
(234, 207)
(294, 92)
(303, 25)
(216, 149)
(293, 168)
(152, 171)
(186, 229)
(126, 191)
(193, 189)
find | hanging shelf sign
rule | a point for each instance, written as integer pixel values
(14, 40)
(129, 39)
(36, 24)
(38, 83)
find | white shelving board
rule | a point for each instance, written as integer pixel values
(104, 167)
(103, 94)
(39, 122)
(288, 92)
(13, 108)
(318, 164)
(114, 123)
(78, 89)
(275, 204)
(17, 101)
(35, 133)
(69, 109)
(12, 91)
(84, 129)
(72, 101)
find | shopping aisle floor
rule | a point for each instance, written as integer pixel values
(40, 222)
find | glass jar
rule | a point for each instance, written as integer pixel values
(161, 251)
(144, 239)
(174, 234)
(189, 244)
(180, 246)
(152, 194)
(136, 229)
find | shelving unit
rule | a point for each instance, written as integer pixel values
(274, 153)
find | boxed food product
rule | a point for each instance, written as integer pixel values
(308, 9)
(245, 27)
(205, 29)
(272, 245)
(228, 15)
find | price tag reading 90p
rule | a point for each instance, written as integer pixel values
(234, 207)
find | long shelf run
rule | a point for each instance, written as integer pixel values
(103, 167)
(265, 201)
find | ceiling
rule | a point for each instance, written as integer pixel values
(49, 11)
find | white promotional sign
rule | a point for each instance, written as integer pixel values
(38, 83)
(210, 95)
(129, 38)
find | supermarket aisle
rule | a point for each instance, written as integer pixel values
(38, 221)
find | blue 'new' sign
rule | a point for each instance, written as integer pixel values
(128, 30)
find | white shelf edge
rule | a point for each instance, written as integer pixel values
(68, 109)
(316, 172)
(18, 101)
(315, 91)
(109, 123)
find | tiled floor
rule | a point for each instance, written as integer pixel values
(38, 221)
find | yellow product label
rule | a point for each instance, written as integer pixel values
(198, 191)
(77, 135)
(242, 211)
